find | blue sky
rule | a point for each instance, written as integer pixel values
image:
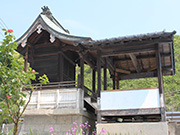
(98, 19)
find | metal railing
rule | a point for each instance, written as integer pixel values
(173, 116)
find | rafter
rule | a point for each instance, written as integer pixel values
(123, 71)
(135, 63)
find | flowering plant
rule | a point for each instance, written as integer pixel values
(13, 79)
(51, 131)
(81, 129)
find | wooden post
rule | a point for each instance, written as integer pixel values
(61, 66)
(114, 81)
(94, 80)
(160, 81)
(105, 74)
(79, 81)
(99, 86)
(82, 71)
(117, 82)
(26, 59)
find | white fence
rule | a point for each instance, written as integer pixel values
(56, 98)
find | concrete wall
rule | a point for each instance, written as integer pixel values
(60, 123)
(173, 128)
(158, 128)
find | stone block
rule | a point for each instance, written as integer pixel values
(151, 128)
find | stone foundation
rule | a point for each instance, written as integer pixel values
(61, 123)
(151, 128)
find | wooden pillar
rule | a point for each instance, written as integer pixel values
(117, 82)
(82, 71)
(26, 59)
(105, 74)
(94, 80)
(32, 56)
(61, 66)
(99, 86)
(160, 82)
(114, 81)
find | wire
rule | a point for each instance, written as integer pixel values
(3, 24)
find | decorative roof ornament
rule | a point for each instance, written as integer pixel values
(46, 11)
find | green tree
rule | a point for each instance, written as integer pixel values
(14, 82)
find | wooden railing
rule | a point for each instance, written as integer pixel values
(90, 93)
(60, 94)
(55, 85)
(56, 98)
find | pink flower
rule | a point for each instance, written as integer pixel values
(10, 30)
(33, 71)
(51, 129)
(94, 132)
(8, 97)
(54, 133)
(103, 130)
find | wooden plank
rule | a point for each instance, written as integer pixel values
(130, 112)
(48, 54)
(123, 71)
(135, 63)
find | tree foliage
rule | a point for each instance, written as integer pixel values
(14, 82)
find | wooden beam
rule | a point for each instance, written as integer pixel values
(131, 112)
(36, 46)
(121, 51)
(152, 68)
(89, 60)
(67, 58)
(48, 54)
(135, 63)
(138, 75)
(160, 82)
(123, 71)
(121, 44)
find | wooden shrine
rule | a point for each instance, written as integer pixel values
(52, 50)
